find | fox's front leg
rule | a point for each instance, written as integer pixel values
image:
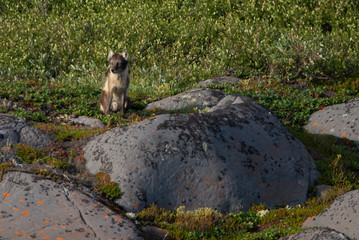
(106, 99)
(123, 100)
(119, 100)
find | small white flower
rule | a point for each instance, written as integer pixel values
(262, 212)
(131, 215)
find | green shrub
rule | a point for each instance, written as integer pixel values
(30, 155)
(110, 189)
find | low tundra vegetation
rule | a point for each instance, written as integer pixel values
(34, 156)
(295, 57)
(106, 187)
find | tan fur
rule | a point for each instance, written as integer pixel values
(114, 95)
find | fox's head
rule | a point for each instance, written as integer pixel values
(118, 62)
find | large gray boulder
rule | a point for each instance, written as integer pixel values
(342, 215)
(200, 98)
(35, 208)
(227, 159)
(15, 130)
(317, 234)
(340, 120)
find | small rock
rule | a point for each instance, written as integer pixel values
(87, 121)
(34, 137)
(154, 233)
(15, 130)
(218, 81)
(200, 98)
(322, 190)
(340, 120)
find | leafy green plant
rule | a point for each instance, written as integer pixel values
(67, 132)
(30, 155)
(156, 214)
(110, 189)
(4, 167)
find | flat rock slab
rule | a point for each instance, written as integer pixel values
(15, 130)
(342, 215)
(88, 121)
(218, 81)
(317, 234)
(35, 208)
(226, 159)
(200, 98)
(340, 120)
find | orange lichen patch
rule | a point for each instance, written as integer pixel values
(47, 221)
(323, 131)
(2, 230)
(106, 216)
(42, 231)
(63, 227)
(344, 134)
(56, 228)
(40, 202)
(118, 219)
(310, 217)
(25, 213)
(47, 237)
(15, 209)
(95, 205)
(18, 233)
(315, 124)
(6, 201)
(135, 205)
(131, 165)
(6, 195)
(59, 239)
(21, 200)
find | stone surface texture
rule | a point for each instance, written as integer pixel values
(342, 215)
(227, 159)
(200, 98)
(15, 130)
(35, 208)
(340, 120)
(88, 121)
(317, 234)
(218, 81)
(322, 190)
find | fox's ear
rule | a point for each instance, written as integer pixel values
(110, 54)
(125, 55)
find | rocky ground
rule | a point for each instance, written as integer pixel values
(227, 154)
